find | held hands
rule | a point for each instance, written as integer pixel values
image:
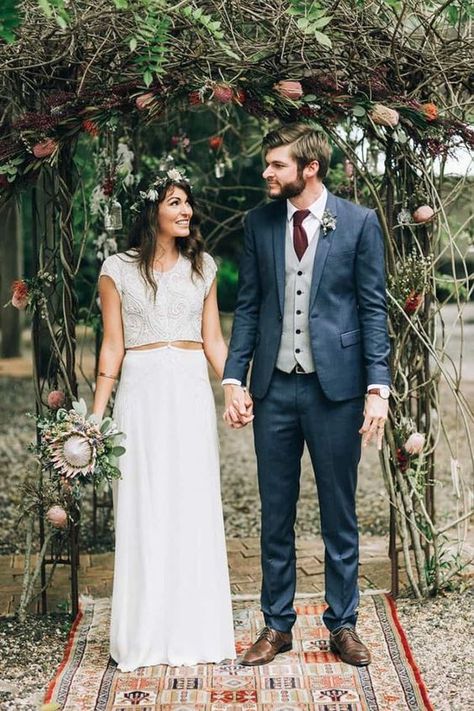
(375, 415)
(238, 406)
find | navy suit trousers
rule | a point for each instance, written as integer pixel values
(294, 411)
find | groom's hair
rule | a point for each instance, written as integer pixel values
(306, 144)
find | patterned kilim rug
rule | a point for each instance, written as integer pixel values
(309, 677)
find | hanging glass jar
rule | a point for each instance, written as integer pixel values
(113, 216)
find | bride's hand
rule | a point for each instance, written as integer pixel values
(238, 406)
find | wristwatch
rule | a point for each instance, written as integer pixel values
(383, 392)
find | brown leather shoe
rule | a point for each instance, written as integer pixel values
(347, 644)
(269, 643)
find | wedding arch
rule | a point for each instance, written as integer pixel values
(387, 80)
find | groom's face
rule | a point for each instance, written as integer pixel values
(283, 176)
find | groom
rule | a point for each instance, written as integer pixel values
(311, 312)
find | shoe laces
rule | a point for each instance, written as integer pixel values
(266, 633)
(352, 634)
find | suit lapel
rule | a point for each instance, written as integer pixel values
(279, 236)
(322, 250)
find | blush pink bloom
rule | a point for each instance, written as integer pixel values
(57, 516)
(20, 294)
(45, 148)
(424, 213)
(144, 100)
(348, 168)
(414, 443)
(56, 399)
(289, 89)
(383, 116)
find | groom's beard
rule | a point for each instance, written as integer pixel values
(289, 190)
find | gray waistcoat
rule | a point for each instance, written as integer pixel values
(296, 347)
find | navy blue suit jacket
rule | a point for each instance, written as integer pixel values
(347, 311)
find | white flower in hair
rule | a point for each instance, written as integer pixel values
(174, 174)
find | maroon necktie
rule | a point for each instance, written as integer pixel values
(300, 238)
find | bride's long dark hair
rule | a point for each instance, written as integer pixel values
(142, 236)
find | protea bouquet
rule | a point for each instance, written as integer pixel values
(80, 449)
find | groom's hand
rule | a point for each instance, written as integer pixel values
(238, 406)
(375, 415)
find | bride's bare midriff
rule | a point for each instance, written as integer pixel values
(187, 345)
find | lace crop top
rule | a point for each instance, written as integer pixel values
(175, 315)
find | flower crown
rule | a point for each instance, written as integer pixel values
(152, 193)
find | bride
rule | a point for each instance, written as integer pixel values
(171, 596)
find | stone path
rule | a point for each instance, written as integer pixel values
(244, 562)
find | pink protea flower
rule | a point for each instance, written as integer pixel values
(348, 168)
(414, 443)
(222, 93)
(73, 455)
(289, 89)
(144, 101)
(45, 149)
(383, 116)
(413, 302)
(424, 213)
(56, 399)
(57, 516)
(20, 295)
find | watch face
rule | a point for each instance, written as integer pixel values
(385, 392)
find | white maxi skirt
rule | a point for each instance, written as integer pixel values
(171, 600)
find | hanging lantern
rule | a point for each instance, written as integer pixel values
(219, 169)
(113, 216)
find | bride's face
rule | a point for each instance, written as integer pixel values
(174, 213)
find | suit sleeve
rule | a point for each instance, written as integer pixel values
(244, 329)
(372, 302)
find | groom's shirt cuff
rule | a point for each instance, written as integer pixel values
(231, 381)
(375, 385)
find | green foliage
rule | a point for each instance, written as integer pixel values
(55, 9)
(311, 18)
(151, 38)
(10, 19)
(227, 280)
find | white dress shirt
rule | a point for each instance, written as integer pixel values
(311, 225)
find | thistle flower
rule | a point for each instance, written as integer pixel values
(56, 399)
(215, 142)
(20, 294)
(90, 127)
(57, 516)
(414, 443)
(222, 93)
(430, 111)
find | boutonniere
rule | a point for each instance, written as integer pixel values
(328, 222)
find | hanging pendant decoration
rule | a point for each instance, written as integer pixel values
(113, 216)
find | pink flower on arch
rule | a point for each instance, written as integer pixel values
(45, 148)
